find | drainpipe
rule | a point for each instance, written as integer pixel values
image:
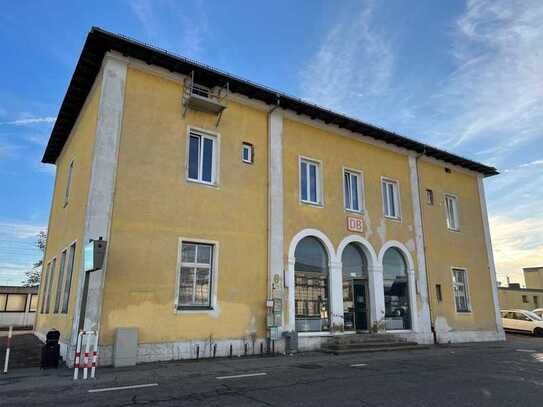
(428, 293)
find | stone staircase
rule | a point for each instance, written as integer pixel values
(359, 343)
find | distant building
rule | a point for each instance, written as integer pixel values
(530, 298)
(18, 306)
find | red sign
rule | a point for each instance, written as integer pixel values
(354, 224)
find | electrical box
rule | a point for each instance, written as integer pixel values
(95, 251)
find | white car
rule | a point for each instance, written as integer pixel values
(538, 312)
(518, 320)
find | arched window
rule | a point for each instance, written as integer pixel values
(395, 279)
(355, 288)
(311, 281)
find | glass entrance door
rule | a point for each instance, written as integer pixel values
(355, 305)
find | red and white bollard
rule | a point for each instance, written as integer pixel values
(87, 337)
(6, 360)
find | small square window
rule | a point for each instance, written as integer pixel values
(429, 197)
(525, 299)
(247, 153)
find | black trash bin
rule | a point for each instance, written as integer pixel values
(50, 352)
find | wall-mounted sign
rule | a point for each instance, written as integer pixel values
(95, 251)
(355, 224)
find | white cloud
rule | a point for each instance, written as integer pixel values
(532, 163)
(517, 244)
(354, 63)
(13, 273)
(30, 120)
(20, 230)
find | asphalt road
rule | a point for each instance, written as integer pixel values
(488, 374)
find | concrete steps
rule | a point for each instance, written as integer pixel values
(360, 343)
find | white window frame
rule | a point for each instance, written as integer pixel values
(361, 193)
(68, 249)
(60, 281)
(318, 184)
(247, 147)
(181, 309)
(397, 198)
(456, 213)
(49, 276)
(68, 184)
(466, 290)
(215, 138)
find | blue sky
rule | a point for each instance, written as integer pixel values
(467, 77)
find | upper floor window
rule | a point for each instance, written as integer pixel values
(461, 292)
(200, 90)
(352, 186)
(391, 199)
(202, 158)
(68, 184)
(451, 204)
(195, 275)
(247, 153)
(310, 184)
(429, 197)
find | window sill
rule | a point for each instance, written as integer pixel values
(193, 310)
(353, 211)
(453, 230)
(206, 184)
(394, 219)
(313, 204)
(463, 313)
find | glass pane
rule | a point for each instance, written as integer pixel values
(3, 298)
(60, 281)
(354, 186)
(194, 153)
(16, 302)
(49, 284)
(303, 180)
(207, 166)
(68, 282)
(33, 303)
(311, 256)
(186, 286)
(313, 183)
(396, 290)
(354, 264)
(204, 254)
(201, 296)
(391, 200)
(385, 199)
(347, 191)
(188, 253)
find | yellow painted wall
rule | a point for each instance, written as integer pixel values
(66, 223)
(512, 298)
(154, 205)
(336, 152)
(465, 249)
(533, 277)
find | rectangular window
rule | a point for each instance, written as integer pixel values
(3, 299)
(525, 299)
(461, 291)
(536, 301)
(202, 158)
(452, 212)
(352, 187)
(391, 201)
(247, 153)
(16, 303)
(429, 197)
(68, 184)
(47, 271)
(310, 190)
(59, 282)
(68, 282)
(439, 295)
(195, 275)
(33, 303)
(50, 274)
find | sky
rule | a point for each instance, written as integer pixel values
(463, 76)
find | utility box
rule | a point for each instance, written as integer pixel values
(95, 251)
(125, 348)
(291, 341)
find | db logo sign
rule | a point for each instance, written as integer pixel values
(354, 224)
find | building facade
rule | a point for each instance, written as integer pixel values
(529, 298)
(18, 306)
(234, 214)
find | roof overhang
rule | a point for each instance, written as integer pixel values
(99, 42)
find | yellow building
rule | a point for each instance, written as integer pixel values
(529, 298)
(234, 214)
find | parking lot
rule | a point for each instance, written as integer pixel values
(493, 374)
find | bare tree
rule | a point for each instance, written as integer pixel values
(32, 278)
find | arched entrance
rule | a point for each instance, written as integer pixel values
(356, 309)
(396, 290)
(311, 282)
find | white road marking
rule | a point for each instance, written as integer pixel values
(525, 350)
(241, 375)
(136, 386)
(359, 365)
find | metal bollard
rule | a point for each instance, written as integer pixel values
(230, 350)
(261, 349)
(197, 352)
(245, 350)
(6, 360)
(214, 350)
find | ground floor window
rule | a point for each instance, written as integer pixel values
(396, 288)
(195, 275)
(311, 286)
(461, 293)
(355, 282)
